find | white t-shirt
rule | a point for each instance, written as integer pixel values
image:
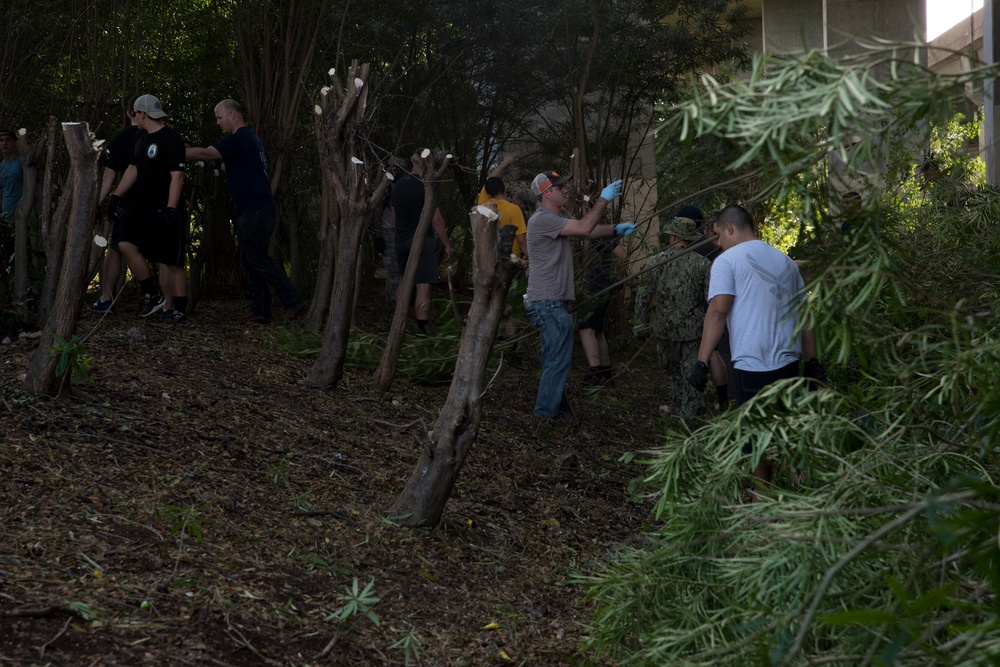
(767, 290)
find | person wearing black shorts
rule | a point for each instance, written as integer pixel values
(407, 203)
(155, 229)
(117, 158)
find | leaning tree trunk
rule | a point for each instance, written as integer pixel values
(386, 372)
(329, 223)
(30, 156)
(340, 117)
(41, 376)
(52, 228)
(445, 448)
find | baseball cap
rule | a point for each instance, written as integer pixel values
(546, 180)
(398, 162)
(150, 106)
(683, 228)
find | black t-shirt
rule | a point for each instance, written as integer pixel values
(407, 203)
(119, 153)
(246, 170)
(156, 157)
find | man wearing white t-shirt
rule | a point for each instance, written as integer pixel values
(757, 290)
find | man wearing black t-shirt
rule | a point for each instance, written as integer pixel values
(407, 203)
(156, 228)
(246, 171)
(117, 158)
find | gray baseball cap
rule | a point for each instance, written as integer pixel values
(150, 106)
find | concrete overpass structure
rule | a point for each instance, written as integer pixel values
(791, 26)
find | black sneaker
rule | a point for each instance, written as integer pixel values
(174, 317)
(100, 306)
(149, 304)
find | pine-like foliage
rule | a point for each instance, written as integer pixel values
(878, 545)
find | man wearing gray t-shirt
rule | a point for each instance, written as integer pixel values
(757, 290)
(550, 282)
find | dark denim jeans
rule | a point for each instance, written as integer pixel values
(555, 323)
(253, 231)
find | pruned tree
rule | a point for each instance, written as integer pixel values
(432, 168)
(52, 227)
(30, 154)
(444, 449)
(80, 199)
(340, 120)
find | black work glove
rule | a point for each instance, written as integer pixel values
(115, 208)
(169, 216)
(813, 369)
(698, 377)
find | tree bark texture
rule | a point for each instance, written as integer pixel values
(329, 223)
(446, 447)
(432, 168)
(52, 226)
(30, 156)
(72, 272)
(342, 149)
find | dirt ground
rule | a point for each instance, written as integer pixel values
(206, 507)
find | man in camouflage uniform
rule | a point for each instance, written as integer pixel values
(679, 287)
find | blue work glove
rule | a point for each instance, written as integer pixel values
(625, 229)
(169, 216)
(610, 192)
(698, 378)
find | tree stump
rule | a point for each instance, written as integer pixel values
(446, 447)
(69, 295)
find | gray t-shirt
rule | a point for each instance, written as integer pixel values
(550, 276)
(767, 291)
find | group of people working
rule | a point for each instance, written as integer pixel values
(148, 222)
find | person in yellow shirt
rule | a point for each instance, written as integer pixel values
(495, 192)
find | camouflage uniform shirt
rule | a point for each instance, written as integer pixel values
(679, 287)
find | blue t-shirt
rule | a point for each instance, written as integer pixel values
(246, 170)
(11, 184)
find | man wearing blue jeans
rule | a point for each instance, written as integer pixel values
(550, 282)
(246, 171)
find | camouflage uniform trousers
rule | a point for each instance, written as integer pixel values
(677, 358)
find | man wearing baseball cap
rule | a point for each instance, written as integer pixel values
(155, 227)
(550, 281)
(678, 287)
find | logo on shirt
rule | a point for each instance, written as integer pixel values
(152, 151)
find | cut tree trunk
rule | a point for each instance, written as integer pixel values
(62, 320)
(446, 447)
(339, 127)
(431, 174)
(30, 155)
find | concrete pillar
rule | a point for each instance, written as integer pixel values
(991, 55)
(792, 26)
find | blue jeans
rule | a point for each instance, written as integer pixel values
(555, 323)
(253, 231)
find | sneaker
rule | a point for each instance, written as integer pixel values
(296, 312)
(100, 306)
(149, 304)
(174, 317)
